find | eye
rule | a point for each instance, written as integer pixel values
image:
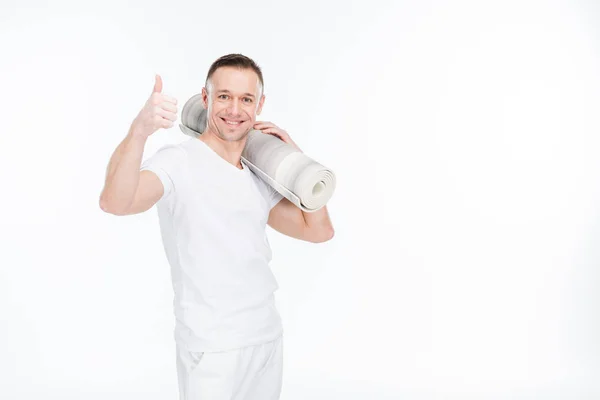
(223, 96)
(249, 100)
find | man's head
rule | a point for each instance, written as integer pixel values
(233, 96)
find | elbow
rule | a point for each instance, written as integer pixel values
(107, 208)
(103, 205)
(329, 234)
(323, 236)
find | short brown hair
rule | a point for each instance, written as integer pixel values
(238, 61)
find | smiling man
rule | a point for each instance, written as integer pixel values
(213, 212)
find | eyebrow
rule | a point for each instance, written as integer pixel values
(227, 91)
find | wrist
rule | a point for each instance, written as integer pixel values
(136, 133)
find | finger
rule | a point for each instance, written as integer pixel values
(279, 132)
(263, 124)
(157, 84)
(168, 106)
(167, 114)
(263, 127)
(169, 99)
(273, 132)
(166, 124)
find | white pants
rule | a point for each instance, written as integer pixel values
(249, 373)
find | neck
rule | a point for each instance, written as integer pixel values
(230, 151)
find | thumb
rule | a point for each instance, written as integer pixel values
(157, 84)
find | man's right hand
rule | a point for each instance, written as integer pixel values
(160, 111)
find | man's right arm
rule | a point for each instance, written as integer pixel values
(127, 190)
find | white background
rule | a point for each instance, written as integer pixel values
(464, 137)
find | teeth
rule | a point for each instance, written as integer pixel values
(232, 123)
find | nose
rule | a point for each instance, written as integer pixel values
(234, 107)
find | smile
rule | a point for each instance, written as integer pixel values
(232, 123)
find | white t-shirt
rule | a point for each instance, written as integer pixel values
(213, 219)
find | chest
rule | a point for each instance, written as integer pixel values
(235, 202)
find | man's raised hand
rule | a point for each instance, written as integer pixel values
(160, 111)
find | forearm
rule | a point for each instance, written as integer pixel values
(123, 173)
(319, 223)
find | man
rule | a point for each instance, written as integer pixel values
(213, 213)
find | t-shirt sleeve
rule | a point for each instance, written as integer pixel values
(273, 196)
(167, 163)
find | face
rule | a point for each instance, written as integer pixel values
(233, 101)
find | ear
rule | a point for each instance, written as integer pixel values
(260, 104)
(205, 98)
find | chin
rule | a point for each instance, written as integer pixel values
(233, 136)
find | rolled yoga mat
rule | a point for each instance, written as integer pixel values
(297, 177)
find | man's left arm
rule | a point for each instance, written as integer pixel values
(288, 219)
(313, 227)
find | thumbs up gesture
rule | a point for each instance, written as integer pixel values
(160, 111)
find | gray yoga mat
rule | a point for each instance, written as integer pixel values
(300, 179)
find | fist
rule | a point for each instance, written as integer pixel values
(160, 111)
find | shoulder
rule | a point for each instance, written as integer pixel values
(258, 181)
(169, 158)
(172, 151)
(271, 196)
